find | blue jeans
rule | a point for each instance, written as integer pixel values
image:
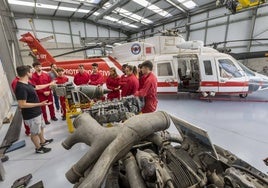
(56, 101)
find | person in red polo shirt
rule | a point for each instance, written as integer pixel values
(148, 90)
(82, 77)
(130, 84)
(112, 83)
(95, 78)
(61, 79)
(40, 77)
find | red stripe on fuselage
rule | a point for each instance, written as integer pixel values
(167, 84)
(223, 84)
(71, 67)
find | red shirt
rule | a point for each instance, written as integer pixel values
(80, 79)
(112, 83)
(96, 79)
(141, 81)
(129, 85)
(41, 79)
(14, 83)
(61, 79)
(149, 92)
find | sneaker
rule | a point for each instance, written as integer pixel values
(63, 118)
(47, 142)
(42, 150)
(47, 122)
(54, 119)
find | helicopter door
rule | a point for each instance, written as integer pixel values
(188, 73)
(209, 78)
(231, 79)
(166, 78)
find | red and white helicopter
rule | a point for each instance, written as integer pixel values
(180, 66)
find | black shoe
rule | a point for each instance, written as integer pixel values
(47, 122)
(54, 119)
(47, 142)
(42, 150)
(63, 118)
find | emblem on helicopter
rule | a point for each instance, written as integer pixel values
(135, 49)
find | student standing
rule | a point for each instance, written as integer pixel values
(53, 75)
(148, 90)
(95, 78)
(82, 77)
(13, 86)
(130, 84)
(39, 77)
(112, 83)
(61, 79)
(31, 108)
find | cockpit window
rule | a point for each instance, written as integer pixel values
(164, 69)
(247, 70)
(228, 69)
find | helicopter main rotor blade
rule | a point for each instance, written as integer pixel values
(215, 44)
(249, 55)
(78, 50)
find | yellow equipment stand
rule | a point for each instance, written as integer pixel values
(74, 110)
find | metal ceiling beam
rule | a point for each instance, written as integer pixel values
(178, 6)
(73, 2)
(55, 12)
(79, 6)
(101, 3)
(118, 3)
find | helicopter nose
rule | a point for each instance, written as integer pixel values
(256, 84)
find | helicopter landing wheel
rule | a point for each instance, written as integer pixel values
(243, 95)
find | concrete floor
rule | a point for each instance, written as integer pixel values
(240, 127)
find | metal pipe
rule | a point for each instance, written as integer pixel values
(133, 172)
(135, 129)
(90, 132)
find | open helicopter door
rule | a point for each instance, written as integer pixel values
(208, 74)
(188, 72)
(231, 77)
(166, 77)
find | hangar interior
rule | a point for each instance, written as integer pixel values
(68, 25)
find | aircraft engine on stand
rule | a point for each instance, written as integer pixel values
(85, 98)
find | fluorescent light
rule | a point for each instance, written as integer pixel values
(40, 5)
(125, 13)
(83, 10)
(189, 4)
(90, 1)
(132, 16)
(96, 13)
(119, 21)
(16, 2)
(153, 8)
(67, 9)
(110, 18)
